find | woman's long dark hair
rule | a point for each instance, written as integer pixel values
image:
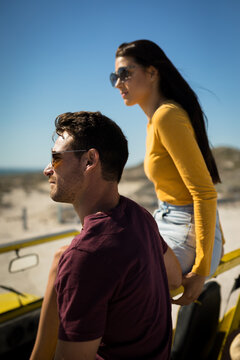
(174, 87)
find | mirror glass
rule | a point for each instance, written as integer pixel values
(23, 262)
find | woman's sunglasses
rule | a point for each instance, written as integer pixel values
(122, 74)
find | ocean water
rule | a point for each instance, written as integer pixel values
(17, 171)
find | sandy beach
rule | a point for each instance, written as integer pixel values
(43, 216)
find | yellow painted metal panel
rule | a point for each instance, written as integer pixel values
(12, 314)
(36, 241)
(10, 301)
(229, 323)
(228, 261)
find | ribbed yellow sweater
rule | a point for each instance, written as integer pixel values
(175, 165)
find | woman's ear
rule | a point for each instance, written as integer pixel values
(153, 72)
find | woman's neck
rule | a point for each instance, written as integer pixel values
(152, 104)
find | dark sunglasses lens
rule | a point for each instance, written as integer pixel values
(123, 74)
(113, 78)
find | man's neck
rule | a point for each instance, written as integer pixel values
(100, 199)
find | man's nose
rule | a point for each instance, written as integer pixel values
(48, 170)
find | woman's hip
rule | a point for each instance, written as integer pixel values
(176, 226)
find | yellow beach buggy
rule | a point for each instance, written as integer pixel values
(200, 332)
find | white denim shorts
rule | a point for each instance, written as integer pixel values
(176, 226)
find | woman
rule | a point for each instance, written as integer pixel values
(178, 159)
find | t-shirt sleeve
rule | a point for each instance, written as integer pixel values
(84, 286)
(164, 245)
(177, 136)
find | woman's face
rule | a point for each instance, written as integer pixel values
(137, 87)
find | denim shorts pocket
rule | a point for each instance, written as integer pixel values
(177, 228)
(178, 217)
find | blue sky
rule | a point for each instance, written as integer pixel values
(56, 56)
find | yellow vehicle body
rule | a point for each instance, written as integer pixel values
(22, 310)
(11, 301)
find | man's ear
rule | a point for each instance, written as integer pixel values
(92, 159)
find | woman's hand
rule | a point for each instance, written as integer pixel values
(193, 284)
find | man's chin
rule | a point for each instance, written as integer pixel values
(59, 198)
(55, 197)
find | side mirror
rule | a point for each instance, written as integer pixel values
(21, 263)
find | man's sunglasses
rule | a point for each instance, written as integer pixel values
(122, 74)
(55, 159)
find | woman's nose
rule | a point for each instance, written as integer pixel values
(118, 83)
(48, 170)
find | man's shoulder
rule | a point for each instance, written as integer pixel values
(112, 229)
(114, 218)
(137, 210)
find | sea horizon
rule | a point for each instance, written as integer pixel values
(18, 170)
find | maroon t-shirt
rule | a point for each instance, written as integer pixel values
(112, 283)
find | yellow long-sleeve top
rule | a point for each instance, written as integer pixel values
(175, 165)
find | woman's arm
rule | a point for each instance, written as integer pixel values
(47, 334)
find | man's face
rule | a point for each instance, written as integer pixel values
(66, 173)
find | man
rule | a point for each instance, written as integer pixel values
(112, 288)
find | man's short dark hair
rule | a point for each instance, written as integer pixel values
(94, 130)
